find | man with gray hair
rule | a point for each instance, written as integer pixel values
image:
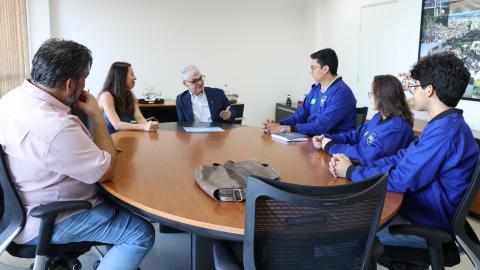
(200, 103)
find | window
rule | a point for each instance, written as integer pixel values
(13, 44)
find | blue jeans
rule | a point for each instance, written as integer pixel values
(401, 240)
(131, 236)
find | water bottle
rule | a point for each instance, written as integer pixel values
(289, 101)
(227, 92)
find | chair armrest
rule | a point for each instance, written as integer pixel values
(47, 213)
(53, 209)
(432, 235)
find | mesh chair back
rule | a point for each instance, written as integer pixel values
(87, 121)
(291, 226)
(461, 214)
(11, 211)
(464, 233)
(360, 116)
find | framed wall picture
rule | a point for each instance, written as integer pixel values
(454, 25)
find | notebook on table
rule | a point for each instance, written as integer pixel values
(203, 129)
(290, 137)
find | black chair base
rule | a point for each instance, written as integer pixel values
(62, 263)
(68, 250)
(59, 256)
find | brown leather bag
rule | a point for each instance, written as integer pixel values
(227, 182)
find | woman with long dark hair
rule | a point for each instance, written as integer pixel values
(387, 132)
(119, 104)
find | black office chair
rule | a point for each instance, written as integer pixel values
(442, 249)
(360, 116)
(12, 220)
(238, 108)
(290, 226)
(87, 121)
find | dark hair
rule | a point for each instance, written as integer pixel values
(446, 73)
(390, 98)
(327, 57)
(116, 85)
(58, 60)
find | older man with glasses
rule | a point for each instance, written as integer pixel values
(200, 103)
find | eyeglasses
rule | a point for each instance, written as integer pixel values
(314, 67)
(370, 95)
(411, 88)
(196, 81)
(409, 85)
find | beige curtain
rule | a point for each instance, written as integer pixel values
(13, 44)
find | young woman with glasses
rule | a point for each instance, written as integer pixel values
(387, 132)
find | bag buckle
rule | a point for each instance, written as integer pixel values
(238, 194)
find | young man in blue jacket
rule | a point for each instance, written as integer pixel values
(435, 170)
(328, 108)
(200, 103)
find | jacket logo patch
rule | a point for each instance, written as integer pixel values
(313, 101)
(322, 100)
(371, 138)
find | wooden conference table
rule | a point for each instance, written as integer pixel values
(154, 175)
(420, 124)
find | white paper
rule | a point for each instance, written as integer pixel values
(203, 129)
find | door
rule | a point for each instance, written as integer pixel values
(378, 35)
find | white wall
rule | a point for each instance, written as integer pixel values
(259, 48)
(340, 31)
(38, 14)
(338, 27)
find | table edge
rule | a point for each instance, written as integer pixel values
(193, 226)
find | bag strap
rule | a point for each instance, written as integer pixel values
(231, 194)
(243, 172)
(234, 194)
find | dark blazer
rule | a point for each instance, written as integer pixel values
(217, 102)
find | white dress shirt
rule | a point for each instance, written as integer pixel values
(201, 111)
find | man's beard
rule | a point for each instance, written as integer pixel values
(72, 99)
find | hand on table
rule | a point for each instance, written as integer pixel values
(226, 114)
(339, 164)
(265, 124)
(320, 141)
(150, 126)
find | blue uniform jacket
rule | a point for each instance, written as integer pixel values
(377, 139)
(217, 102)
(433, 172)
(329, 112)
